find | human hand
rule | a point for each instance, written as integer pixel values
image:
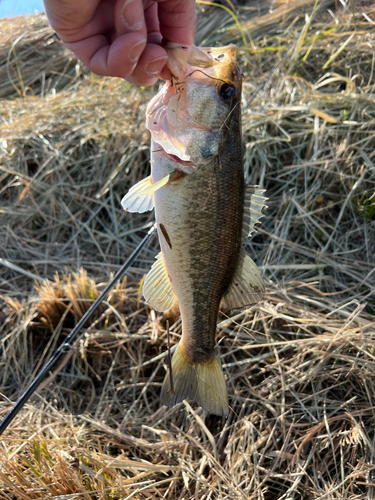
(122, 38)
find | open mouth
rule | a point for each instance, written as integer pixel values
(175, 158)
(178, 160)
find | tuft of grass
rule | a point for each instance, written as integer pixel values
(365, 205)
(51, 305)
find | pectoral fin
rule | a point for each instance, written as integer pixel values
(247, 287)
(139, 197)
(157, 289)
(253, 205)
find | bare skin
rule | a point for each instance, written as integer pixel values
(122, 38)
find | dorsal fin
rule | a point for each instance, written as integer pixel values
(157, 289)
(253, 205)
(247, 287)
(139, 197)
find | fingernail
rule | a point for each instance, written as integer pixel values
(132, 12)
(154, 67)
(136, 51)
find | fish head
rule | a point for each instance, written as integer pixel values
(201, 102)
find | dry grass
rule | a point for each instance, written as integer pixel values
(299, 366)
(33, 61)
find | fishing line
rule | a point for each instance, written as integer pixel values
(66, 346)
(205, 74)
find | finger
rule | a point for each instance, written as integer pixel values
(165, 74)
(151, 63)
(129, 17)
(66, 15)
(152, 23)
(76, 21)
(177, 20)
(116, 59)
(154, 57)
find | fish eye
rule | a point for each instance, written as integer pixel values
(227, 91)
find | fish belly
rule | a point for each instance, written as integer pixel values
(199, 218)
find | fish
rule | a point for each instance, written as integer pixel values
(204, 212)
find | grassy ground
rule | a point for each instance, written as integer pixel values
(299, 365)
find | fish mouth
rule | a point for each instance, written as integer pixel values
(178, 160)
(185, 165)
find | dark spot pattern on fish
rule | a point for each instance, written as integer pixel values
(166, 235)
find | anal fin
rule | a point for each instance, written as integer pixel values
(203, 382)
(247, 286)
(157, 289)
(139, 197)
(253, 205)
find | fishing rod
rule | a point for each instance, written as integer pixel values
(67, 345)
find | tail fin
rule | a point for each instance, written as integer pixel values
(202, 382)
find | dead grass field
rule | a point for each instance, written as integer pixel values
(299, 366)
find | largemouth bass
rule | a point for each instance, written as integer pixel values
(203, 213)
